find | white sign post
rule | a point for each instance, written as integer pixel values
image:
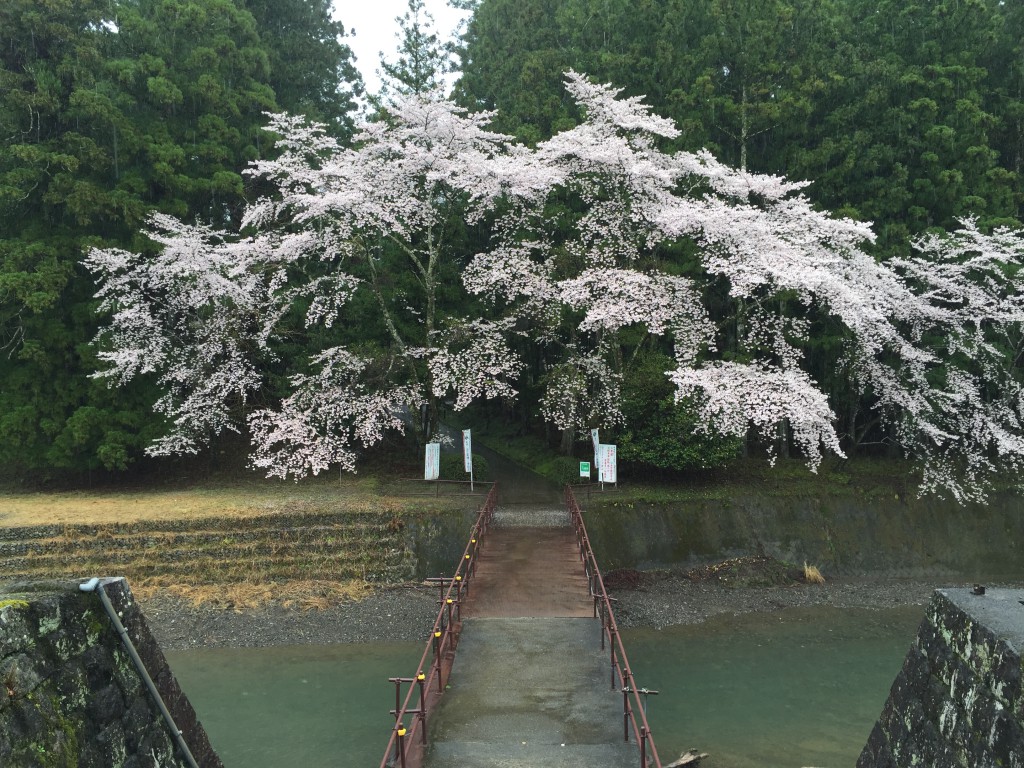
(467, 455)
(607, 465)
(432, 462)
(597, 445)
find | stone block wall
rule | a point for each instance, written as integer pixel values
(957, 702)
(70, 694)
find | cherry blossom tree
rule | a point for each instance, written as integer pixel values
(207, 313)
(933, 337)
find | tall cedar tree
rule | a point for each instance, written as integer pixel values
(111, 110)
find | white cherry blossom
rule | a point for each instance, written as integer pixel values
(596, 233)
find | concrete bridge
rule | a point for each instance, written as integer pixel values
(540, 677)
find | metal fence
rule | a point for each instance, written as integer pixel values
(417, 486)
(423, 690)
(633, 714)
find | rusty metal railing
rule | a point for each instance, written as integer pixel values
(633, 713)
(433, 487)
(425, 688)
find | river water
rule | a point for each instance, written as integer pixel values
(304, 706)
(800, 687)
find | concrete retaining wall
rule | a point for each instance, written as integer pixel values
(69, 692)
(842, 534)
(957, 701)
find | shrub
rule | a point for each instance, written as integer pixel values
(563, 470)
(452, 467)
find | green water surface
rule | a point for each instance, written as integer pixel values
(305, 706)
(800, 687)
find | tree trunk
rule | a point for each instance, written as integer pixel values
(782, 439)
(568, 441)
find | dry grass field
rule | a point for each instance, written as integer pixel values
(242, 498)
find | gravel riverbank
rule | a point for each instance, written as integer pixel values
(406, 613)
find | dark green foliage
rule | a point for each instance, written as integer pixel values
(565, 470)
(662, 433)
(422, 58)
(311, 69)
(908, 114)
(453, 467)
(110, 110)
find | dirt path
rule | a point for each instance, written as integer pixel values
(519, 485)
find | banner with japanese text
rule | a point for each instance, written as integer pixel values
(432, 462)
(467, 450)
(607, 464)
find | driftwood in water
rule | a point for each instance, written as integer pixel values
(690, 757)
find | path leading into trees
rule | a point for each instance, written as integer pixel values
(530, 685)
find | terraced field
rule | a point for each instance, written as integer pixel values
(276, 547)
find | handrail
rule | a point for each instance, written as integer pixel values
(444, 636)
(436, 490)
(603, 606)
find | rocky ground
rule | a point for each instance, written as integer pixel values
(393, 614)
(406, 613)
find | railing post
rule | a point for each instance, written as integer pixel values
(437, 657)
(643, 746)
(400, 743)
(421, 681)
(625, 713)
(611, 643)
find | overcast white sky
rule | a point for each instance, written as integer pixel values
(375, 26)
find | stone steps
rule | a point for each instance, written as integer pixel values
(530, 516)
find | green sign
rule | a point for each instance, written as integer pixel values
(584, 469)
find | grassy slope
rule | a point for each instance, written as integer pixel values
(242, 497)
(787, 478)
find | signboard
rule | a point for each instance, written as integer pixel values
(467, 450)
(607, 464)
(432, 462)
(585, 469)
(597, 444)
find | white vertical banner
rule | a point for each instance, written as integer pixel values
(467, 455)
(432, 462)
(597, 445)
(467, 450)
(607, 464)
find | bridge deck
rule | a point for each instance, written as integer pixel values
(530, 685)
(529, 571)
